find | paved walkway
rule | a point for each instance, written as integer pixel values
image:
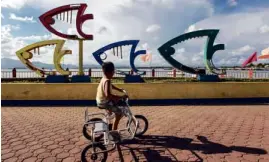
(176, 133)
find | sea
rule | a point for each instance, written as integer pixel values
(159, 72)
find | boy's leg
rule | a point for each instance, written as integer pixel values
(118, 114)
(116, 121)
(109, 123)
(112, 107)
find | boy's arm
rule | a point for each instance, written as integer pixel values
(108, 93)
(116, 88)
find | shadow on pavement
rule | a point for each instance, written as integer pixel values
(156, 148)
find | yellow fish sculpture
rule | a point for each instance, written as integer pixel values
(26, 53)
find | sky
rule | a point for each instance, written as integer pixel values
(243, 25)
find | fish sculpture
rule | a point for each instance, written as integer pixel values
(166, 50)
(64, 13)
(26, 54)
(100, 54)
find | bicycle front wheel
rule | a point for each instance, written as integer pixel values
(142, 127)
(87, 154)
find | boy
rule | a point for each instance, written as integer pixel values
(105, 98)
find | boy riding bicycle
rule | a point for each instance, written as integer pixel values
(105, 98)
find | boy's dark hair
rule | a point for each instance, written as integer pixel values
(108, 67)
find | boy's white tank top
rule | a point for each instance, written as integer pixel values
(100, 95)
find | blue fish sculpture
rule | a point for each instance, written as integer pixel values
(100, 54)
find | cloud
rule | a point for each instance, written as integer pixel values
(71, 31)
(103, 30)
(232, 3)
(6, 32)
(2, 16)
(15, 4)
(181, 50)
(11, 27)
(264, 29)
(12, 16)
(242, 50)
(153, 28)
(241, 36)
(265, 51)
(192, 28)
(9, 44)
(145, 46)
(49, 4)
(127, 19)
(18, 4)
(156, 38)
(130, 21)
(125, 37)
(124, 19)
(34, 38)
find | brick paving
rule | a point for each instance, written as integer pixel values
(176, 133)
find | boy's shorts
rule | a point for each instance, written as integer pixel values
(111, 106)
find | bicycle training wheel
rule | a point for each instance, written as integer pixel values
(87, 132)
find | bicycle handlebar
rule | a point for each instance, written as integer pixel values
(125, 92)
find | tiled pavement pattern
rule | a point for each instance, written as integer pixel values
(176, 133)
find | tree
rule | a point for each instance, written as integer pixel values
(251, 65)
(260, 65)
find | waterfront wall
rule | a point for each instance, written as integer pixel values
(152, 91)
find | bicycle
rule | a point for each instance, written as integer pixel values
(102, 137)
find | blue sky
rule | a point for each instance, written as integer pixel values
(243, 24)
